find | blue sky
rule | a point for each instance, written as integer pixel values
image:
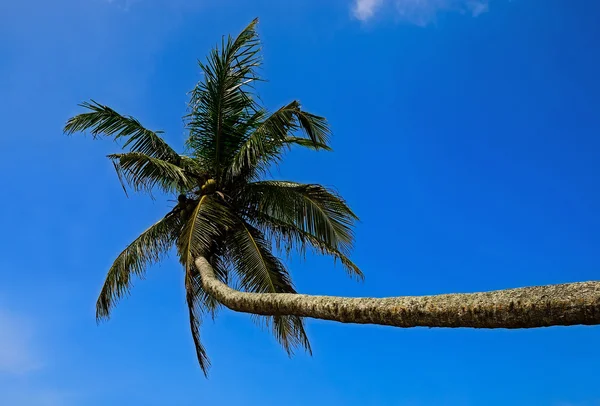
(465, 137)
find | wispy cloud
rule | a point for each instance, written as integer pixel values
(17, 351)
(365, 9)
(420, 12)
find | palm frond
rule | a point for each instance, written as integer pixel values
(102, 120)
(311, 208)
(315, 127)
(288, 237)
(195, 309)
(201, 234)
(149, 248)
(257, 268)
(193, 169)
(264, 146)
(260, 271)
(204, 227)
(289, 331)
(221, 106)
(143, 173)
(303, 142)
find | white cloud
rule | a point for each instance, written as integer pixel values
(17, 353)
(365, 9)
(419, 12)
(478, 7)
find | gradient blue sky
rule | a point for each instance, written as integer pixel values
(466, 138)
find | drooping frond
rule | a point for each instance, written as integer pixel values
(260, 271)
(264, 146)
(303, 142)
(288, 331)
(102, 120)
(257, 268)
(220, 105)
(195, 309)
(258, 146)
(143, 172)
(207, 220)
(147, 249)
(311, 208)
(205, 226)
(315, 127)
(296, 215)
(288, 237)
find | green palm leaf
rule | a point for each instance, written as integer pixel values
(288, 237)
(195, 310)
(220, 106)
(104, 120)
(207, 222)
(265, 144)
(143, 172)
(205, 226)
(257, 268)
(149, 248)
(309, 207)
(303, 142)
(260, 271)
(202, 235)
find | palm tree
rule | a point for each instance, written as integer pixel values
(229, 222)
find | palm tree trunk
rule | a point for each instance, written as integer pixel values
(539, 306)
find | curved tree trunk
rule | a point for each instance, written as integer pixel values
(539, 306)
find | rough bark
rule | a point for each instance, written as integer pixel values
(538, 306)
